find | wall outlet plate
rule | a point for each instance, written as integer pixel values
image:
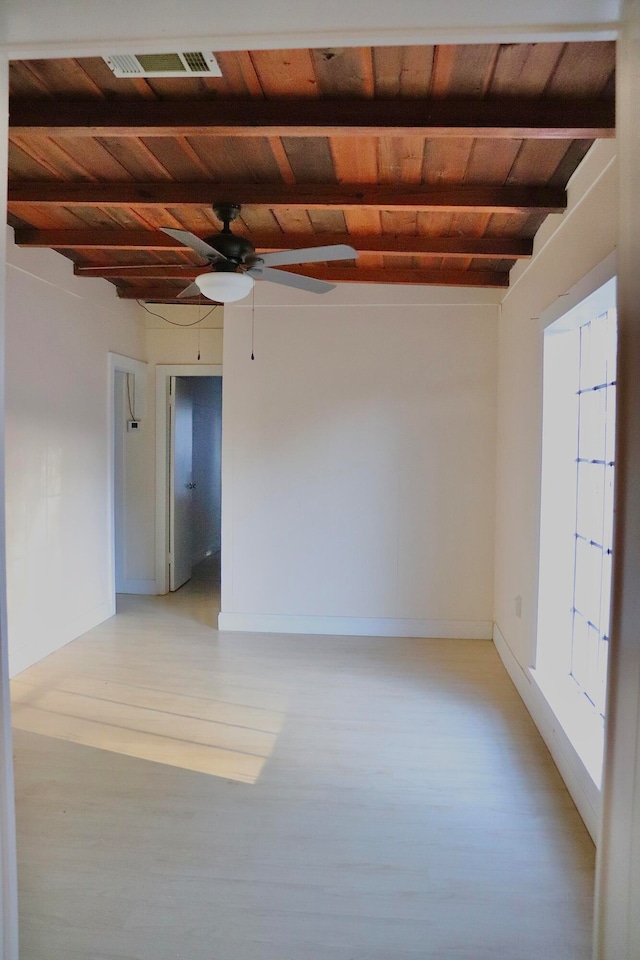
(133, 426)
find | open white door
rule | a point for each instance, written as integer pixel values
(180, 482)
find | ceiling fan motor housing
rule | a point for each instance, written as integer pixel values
(237, 250)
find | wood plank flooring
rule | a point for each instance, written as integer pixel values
(184, 793)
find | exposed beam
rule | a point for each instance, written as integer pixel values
(393, 244)
(449, 278)
(100, 238)
(310, 196)
(443, 277)
(142, 271)
(500, 118)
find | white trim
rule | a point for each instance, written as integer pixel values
(617, 918)
(163, 372)
(580, 785)
(116, 27)
(578, 718)
(592, 281)
(544, 33)
(138, 368)
(356, 626)
(8, 875)
(549, 232)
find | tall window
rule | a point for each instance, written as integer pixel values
(577, 519)
(594, 506)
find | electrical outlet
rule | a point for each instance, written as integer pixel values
(133, 426)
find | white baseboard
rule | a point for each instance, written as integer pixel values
(356, 626)
(137, 586)
(23, 655)
(584, 792)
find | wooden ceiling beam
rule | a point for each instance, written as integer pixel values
(166, 271)
(100, 238)
(309, 196)
(391, 244)
(514, 117)
(395, 275)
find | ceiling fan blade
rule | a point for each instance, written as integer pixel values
(190, 240)
(193, 290)
(291, 279)
(336, 251)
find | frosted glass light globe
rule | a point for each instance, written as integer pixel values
(225, 287)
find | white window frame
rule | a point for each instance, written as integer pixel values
(580, 721)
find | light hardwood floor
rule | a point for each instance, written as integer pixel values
(189, 794)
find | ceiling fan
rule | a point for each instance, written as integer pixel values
(235, 265)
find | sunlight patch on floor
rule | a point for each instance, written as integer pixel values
(229, 740)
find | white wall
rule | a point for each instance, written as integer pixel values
(567, 247)
(8, 868)
(183, 333)
(358, 462)
(134, 477)
(618, 875)
(59, 332)
(207, 443)
(83, 26)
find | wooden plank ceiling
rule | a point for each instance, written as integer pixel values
(437, 163)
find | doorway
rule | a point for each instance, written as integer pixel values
(195, 433)
(189, 494)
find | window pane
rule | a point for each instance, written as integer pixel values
(579, 655)
(593, 425)
(594, 506)
(591, 499)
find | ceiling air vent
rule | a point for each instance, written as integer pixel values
(193, 64)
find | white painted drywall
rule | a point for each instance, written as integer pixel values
(8, 867)
(59, 332)
(207, 437)
(358, 461)
(618, 874)
(566, 249)
(133, 477)
(183, 334)
(81, 26)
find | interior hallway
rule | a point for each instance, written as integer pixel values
(184, 793)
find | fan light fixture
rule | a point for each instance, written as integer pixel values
(225, 287)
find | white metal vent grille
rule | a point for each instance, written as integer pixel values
(191, 64)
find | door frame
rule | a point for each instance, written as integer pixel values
(164, 372)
